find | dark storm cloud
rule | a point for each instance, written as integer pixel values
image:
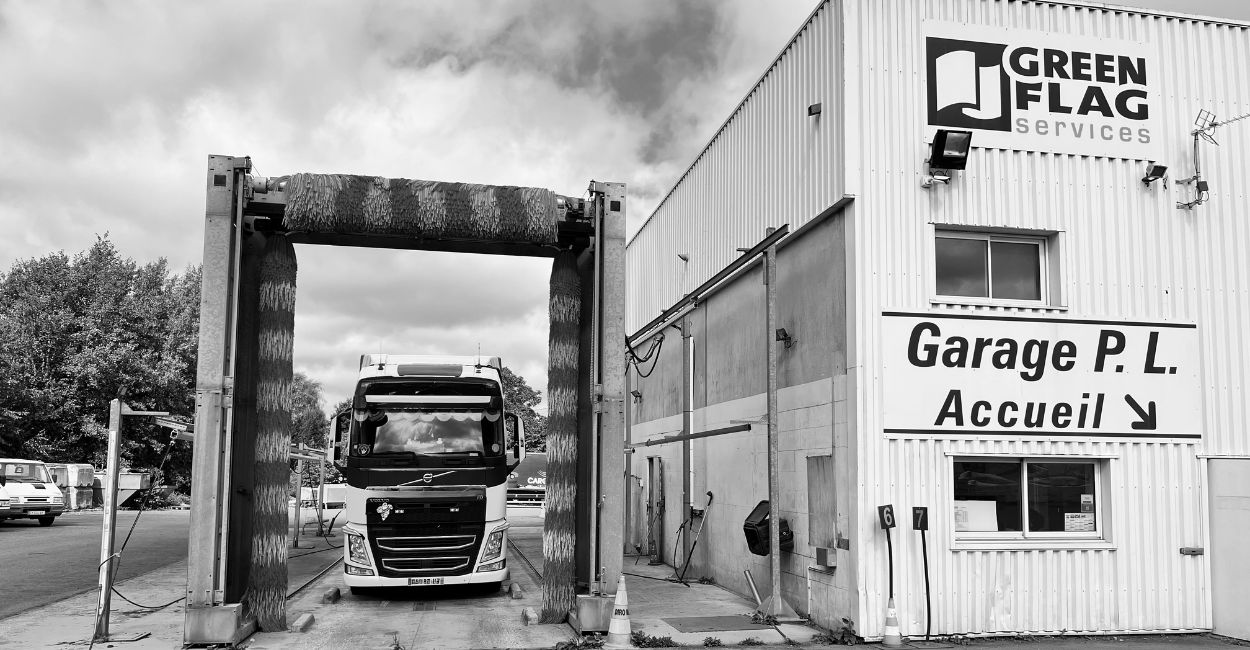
(639, 54)
(637, 51)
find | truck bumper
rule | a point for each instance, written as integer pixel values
(32, 511)
(470, 578)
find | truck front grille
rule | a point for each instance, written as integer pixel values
(404, 550)
(450, 564)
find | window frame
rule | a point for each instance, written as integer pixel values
(1050, 253)
(1025, 539)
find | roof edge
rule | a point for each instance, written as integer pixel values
(1081, 4)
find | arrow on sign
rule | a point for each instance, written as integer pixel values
(1146, 416)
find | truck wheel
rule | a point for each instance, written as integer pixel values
(46, 521)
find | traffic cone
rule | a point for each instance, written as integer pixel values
(892, 638)
(618, 627)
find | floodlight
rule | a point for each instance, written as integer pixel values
(950, 149)
(1154, 172)
(637, 395)
(814, 109)
(784, 336)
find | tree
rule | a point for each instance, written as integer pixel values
(78, 332)
(310, 426)
(520, 398)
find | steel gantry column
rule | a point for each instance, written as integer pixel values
(209, 618)
(610, 239)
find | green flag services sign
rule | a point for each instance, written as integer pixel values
(1043, 91)
(1040, 377)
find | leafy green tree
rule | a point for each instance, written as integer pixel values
(520, 398)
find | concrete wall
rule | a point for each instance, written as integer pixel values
(730, 375)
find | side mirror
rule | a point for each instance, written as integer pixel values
(342, 420)
(514, 429)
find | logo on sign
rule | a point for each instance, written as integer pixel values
(1032, 91)
(969, 87)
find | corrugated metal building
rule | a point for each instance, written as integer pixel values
(1046, 352)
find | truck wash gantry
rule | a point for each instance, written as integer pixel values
(244, 211)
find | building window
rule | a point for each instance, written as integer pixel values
(1018, 498)
(992, 266)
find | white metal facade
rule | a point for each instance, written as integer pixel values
(1128, 254)
(769, 164)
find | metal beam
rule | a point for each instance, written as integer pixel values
(775, 235)
(775, 605)
(612, 476)
(206, 621)
(692, 436)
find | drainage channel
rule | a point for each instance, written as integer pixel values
(529, 566)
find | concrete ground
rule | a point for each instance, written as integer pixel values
(70, 622)
(41, 565)
(464, 618)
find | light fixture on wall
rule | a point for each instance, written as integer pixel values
(637, 395)
(1154, 172)
(948, 153)
(784, 336)
(813, 110)
(685, 257)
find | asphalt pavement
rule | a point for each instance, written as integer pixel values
(45, 565)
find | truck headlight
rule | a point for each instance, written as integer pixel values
(494, 545)
(58, 500)
(493, 566)
(356, 550)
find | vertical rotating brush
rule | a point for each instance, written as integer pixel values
(265, 598)
(559, 530)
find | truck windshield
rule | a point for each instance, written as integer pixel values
(25, 473)
(387, 429)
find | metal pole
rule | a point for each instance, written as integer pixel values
(299, 493)
(610, 537)
(321, 497)
(596, 387)
(687, 448)
(110, 522)
(774, 484)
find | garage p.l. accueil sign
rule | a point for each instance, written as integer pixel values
(1041, 91)
(1039, 377)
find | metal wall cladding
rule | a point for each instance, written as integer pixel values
(1129, 254)
(769, 164)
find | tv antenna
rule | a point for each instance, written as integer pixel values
(1206, 125)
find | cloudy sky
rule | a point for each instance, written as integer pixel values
(109, 109)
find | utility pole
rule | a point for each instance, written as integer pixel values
(105, 579)
(775, 605)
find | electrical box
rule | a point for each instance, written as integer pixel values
(756, 530)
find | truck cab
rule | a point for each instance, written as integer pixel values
(426, 449)
(32, 493)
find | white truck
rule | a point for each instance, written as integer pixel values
(426, 449)
(31, 491)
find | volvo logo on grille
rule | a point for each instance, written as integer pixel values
(427, 478)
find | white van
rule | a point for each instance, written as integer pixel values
(32, 494)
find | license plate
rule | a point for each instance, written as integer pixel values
(38, 512)
(425, 581)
